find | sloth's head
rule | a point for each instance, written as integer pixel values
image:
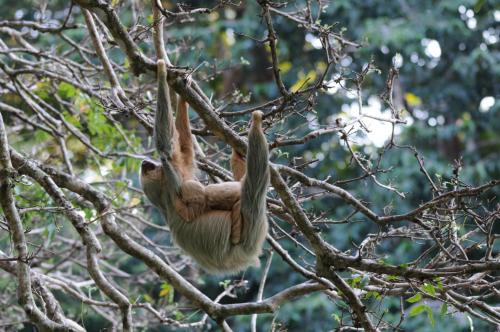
(152, 178)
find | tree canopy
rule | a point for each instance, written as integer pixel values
(382, 122)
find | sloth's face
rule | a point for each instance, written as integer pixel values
(152, 181)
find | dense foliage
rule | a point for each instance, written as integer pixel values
(427, 77)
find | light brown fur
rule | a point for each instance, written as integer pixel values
(195, 199)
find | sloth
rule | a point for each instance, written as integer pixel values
(223, 225)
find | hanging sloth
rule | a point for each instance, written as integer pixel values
(222, 226)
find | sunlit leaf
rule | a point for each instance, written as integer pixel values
(415, 298)
(429, 289)
(66, 90)
(413, 100)
(304, 80)
(285, 66)
(165, 289)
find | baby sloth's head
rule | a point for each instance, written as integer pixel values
(151, 177)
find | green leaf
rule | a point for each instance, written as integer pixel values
(478, 5)
(42, 89)
(178, 315)
(444, 310)
(89, 213)
(415, 298)
(429, 289)
(355, 281)
(439, 283)
(391, 278)
(166, 286)
(41, 136)
(66, 90)
(418, 309)
(430, 315)
(225, 283)
(167, 291)
(373, 294)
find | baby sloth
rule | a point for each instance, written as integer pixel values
(222, 226)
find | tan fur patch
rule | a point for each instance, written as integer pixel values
(223, 196)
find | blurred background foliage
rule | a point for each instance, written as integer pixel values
(449, 85)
